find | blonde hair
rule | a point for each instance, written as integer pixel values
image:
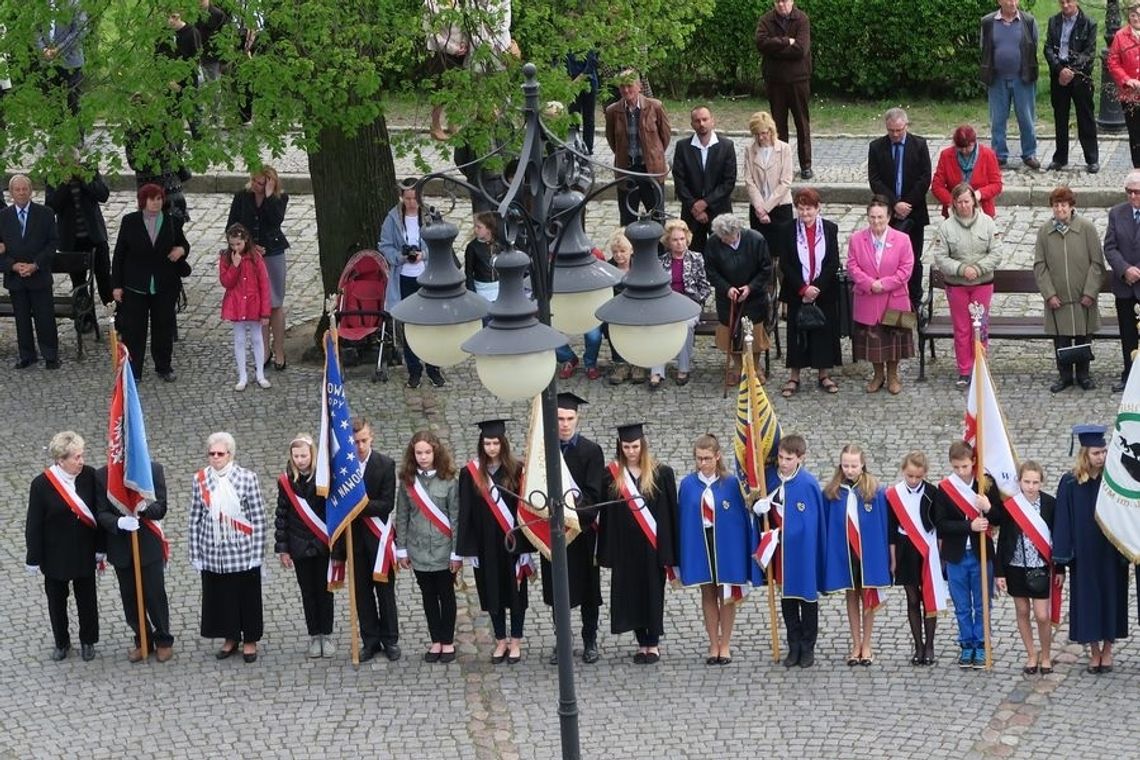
(917, 459)
(648, 464)
(1083, 469)
(299, 440)
(676, 224)
(708, 442)
(269, 173)
(65, 444)
(761, 122)
(866, 485)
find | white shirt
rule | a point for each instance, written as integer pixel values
(704, 149)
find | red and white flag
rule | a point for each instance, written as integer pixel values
(1000, 459)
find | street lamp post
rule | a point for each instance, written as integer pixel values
(1110, 117)
(542, 226)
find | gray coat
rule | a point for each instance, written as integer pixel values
(1069, 265)
(416, 537)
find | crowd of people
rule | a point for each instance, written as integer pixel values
(637, 517)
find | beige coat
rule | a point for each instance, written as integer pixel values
(777, 173)
(1069, 265)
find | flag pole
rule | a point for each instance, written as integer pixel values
(143, 646)
(761, 481)
(977, 312)
(350, 581)
(112, 335)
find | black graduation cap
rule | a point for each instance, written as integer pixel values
(493, 428)
(571, 401)
(631, 432)
(1090, 436)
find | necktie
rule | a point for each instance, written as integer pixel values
(24, 221)
(1135, 215)
(898, 168)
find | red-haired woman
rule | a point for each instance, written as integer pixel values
(967, 161)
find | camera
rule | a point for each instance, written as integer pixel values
(411, 252)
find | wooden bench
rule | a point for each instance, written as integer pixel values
(1006, 281)
(78, 305)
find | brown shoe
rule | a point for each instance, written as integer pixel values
(638, 375)
(878, 380)
(894, 384)
(135, 655)
(163, 654)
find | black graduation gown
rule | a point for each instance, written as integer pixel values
(1098, 591)
(587, 466)
(637, 585)
(480, 535)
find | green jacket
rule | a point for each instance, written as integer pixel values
(417, 537)
(1069, 265)
(963, 243)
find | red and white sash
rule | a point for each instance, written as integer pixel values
(766, 549)
(313, 521)
(524, 565)
(385, 533)
(422, 499)
(234, 521)
(627, 487)
(871, 599)
(72, 499)
(1037, 531)
(906, 507)
(776, 517)
(708, 509)
(964, 497)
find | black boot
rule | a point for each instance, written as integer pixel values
(589, 651)
(793, 657)
(1064, 378)
(1084, 379)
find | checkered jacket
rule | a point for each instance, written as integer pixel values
(238, 552)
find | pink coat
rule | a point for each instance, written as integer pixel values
(894, 272)
(247, 297)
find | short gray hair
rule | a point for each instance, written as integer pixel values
(223, 438)
(727, 225)
(65, 444)
(18, 178)
(895, 114)
(1133, 178)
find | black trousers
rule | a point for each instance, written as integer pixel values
(138, 311)
(154, 600)
(437, 587)
(794, 98)
(646, 637)
(35, 306)
(633, 194)
(700, 231)
(801, 620)
(1129, 339)
(101, 260)
(590, 613)
(1079, 94)
(917, 235)
(1066, 369)
(231, 606)
(312, 577)
(586, 104)
(85, 602)
(518, 615)
(375, 605)
(1132, 121)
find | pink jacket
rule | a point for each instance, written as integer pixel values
(247, 297)
(894, 272)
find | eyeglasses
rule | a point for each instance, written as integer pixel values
(219, 453)
(1132, 190)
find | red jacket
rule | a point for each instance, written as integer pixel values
(247, 297)
(1123, 63)
(986, 178)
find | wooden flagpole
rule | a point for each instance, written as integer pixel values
(762, 482)
(350, 581)
(143, 645)
(977, 312)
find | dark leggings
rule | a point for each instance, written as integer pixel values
(438, 591)
(919, 623)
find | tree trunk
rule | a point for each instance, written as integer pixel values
(354, 186)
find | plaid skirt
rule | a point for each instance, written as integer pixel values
(878, 344)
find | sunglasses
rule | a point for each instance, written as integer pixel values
(219, 453)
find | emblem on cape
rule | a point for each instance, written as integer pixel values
(867, 506)
(724, 504)
(801, 506)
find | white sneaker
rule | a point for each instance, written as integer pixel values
(328, 648)
(264, 382)
(240, 386)
(315, 647)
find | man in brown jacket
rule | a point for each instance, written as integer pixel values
(783, 37)
(638, 132)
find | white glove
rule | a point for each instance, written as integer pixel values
(129, 523)
(32, 569)
(197, 565)
(761, 506)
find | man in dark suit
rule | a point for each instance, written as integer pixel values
(586, 463)
(898, 168)
(1070, 51)
(153, 553)
(638, 132)
(1122, 251)
(28, 242)
(375, 601)
(704, 173)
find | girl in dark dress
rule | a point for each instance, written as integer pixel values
(487, 514)
(808, 275)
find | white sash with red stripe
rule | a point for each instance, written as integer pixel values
(627, 487)
(71, 498)
(335, 576)
(385, 533)
(233, 521)
(962, 495)
(708, 511)
(871, 599)
(907, 506)
(1034, 527)
(422, 499)
(499, 509)
(766, 549)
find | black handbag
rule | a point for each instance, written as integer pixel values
(810, 318)
(1077, 354)
(1037, 580)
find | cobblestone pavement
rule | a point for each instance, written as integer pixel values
(288, 706)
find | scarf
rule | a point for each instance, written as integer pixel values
(1060, 226)
(811, 258)
(152, 222)
(67, 480)
(966, 164)
(224, 502)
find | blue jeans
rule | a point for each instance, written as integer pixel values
(408, 286)
(965, 579)
(1023, 98)
(590, 356)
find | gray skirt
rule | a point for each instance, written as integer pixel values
(275, 266)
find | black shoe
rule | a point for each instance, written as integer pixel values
(24, 363)
(436, 378)
(640, 658)
(1093, 168)
(223, 653)
(60, 653)
(1119, 385)
(413, 381)
(1003, 163)
(806, 173)
(367, 653)
(652, 658)
(553, 660)
(52, 364)
(446, 657)
(392, 652)
(430, 656)
(1086, 383)
(168, 376)
(1061, 383)
(1056, 167)
(249, 656)
(87, 652)
(590, 652)
(793, 658)
(499, 659)
(807, 659)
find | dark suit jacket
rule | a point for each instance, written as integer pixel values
(916, 174)
(953, 527)
(791, 273)
(60, 544)
(119, 541)
(380, 484)
(712, 183)
(136, 260)
(750, 264)
(1122, 249)
(91, 194)
(1010, 534)
(1082, 45)
(37, 245)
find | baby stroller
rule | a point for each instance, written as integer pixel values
(360, 316)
